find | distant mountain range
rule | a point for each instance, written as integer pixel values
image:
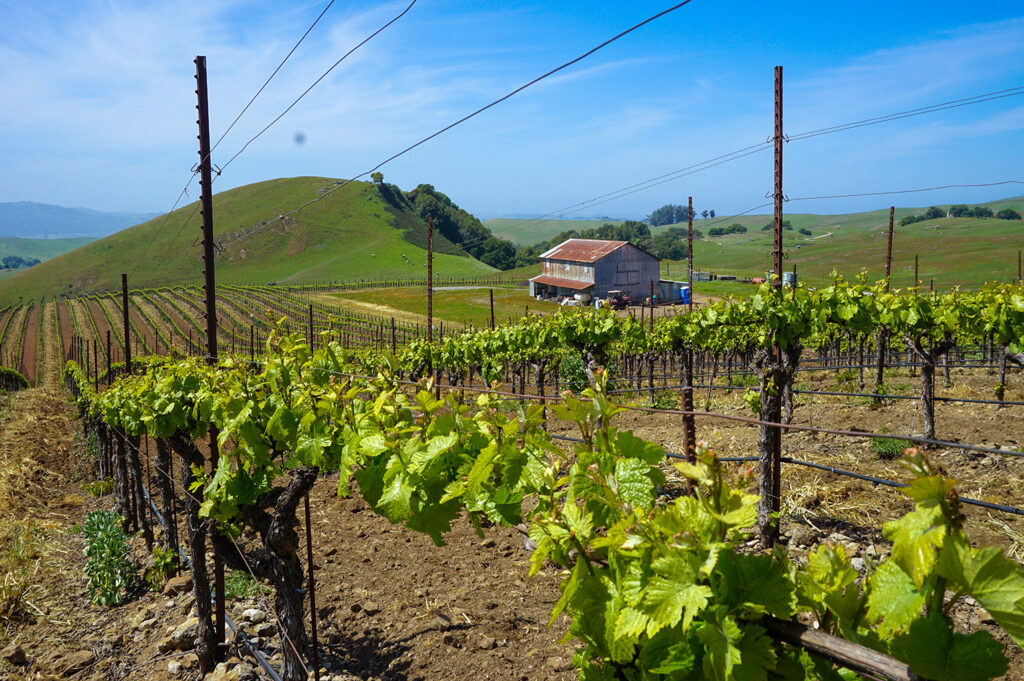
(30, 220)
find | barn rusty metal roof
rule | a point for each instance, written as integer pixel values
(563, 283)
(583, 250)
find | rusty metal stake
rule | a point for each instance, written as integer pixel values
(312, 592)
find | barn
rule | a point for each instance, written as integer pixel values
(595, 266)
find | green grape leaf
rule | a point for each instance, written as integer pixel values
(994, 580)
(893, 599)
(667, 654)
(755, 580)
(935, 652)
(757, 655)
(672, 594)
(635, 485)
(396, 499)
(633, 447)
(721, 638)
(915, 538)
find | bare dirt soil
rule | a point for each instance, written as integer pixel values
(29, 343)
(392, 606)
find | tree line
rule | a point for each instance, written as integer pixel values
(960, 210)
(14, 262)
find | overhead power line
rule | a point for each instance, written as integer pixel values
(910, 113)
(905, 191)
(195, 171)
(754, 148)
(315, 83)
(467, 117)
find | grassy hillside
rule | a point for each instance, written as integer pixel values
(44, 249)
(350, 234)
(527, 232)
(951, 251)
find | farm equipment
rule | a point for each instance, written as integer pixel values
(618, 300)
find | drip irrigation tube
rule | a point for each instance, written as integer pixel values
(821, 392)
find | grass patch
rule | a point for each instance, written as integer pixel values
(240, 584)
(465, 306)
(99, 488)
(888, 448)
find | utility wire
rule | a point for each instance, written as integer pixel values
(316, 82)
(942, 106)
(467, 117)
(904, 191)
(195, 170)
(667, 177)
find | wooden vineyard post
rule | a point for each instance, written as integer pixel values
(770, 439)
(394, 338)
(312, 591)
(882, 335)
(127, 329)
(206, 202)
(490, 293)
(689, 240)
(108, 356)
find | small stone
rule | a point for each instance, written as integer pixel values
(14, 654)
(858, 564)
(189, 660)
(174, 667)
(370, 607)
(253, 615)
(557, 663)
(486, 643)
(77, 662)
(178, 585)
(265, 629)
(800, 535)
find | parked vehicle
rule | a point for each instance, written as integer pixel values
(618, 300)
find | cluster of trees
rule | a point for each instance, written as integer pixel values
(961, 210)
(671, 214)
(668, 214)
(669, 245)
(734, 228)
(14, 262)
(455, 230)
(786, 225)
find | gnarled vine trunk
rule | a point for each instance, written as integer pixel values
(929, 352)
(162, 463)
(774, 372)
(278, 561)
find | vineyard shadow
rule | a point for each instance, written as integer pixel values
(370, 653)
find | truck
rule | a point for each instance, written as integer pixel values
(618, 300)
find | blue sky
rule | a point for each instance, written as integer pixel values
(99, 99)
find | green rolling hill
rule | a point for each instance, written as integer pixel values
(350, 234)
(967, 251)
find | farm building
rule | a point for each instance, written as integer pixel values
(594, 266)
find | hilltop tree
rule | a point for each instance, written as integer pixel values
(1008, 214)
(669, 214)
(377, 177)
